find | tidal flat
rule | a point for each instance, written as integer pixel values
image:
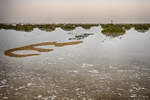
(74, 62)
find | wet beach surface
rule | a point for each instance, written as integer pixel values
(74, 62)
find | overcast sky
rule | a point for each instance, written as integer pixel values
(74, 9)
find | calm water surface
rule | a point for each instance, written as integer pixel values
(74, 65)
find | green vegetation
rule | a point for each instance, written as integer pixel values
(47, 27)
(58, 25)
(68, 27)
(17, 27)
(26, 28)
(127, 26)
(113, 30)
(86, 26)
(108, 29)
(142, 27)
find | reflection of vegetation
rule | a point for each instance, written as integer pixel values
(47, 27)
(127, 26)
(68, 27)
(33, 47)
(141, 27)
(18, 27)
(107, 28)
(113, 30)
(82, 36)
(44, 27)
(26, 28)
(86, 26)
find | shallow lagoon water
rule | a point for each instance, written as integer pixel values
(99, 67)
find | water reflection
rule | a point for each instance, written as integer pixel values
(82, 36)
(33, 47)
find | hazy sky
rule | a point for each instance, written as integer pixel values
(30, 9)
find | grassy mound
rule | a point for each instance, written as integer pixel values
(141, 27)
(113, 30)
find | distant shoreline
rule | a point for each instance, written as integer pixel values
(75, 23)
